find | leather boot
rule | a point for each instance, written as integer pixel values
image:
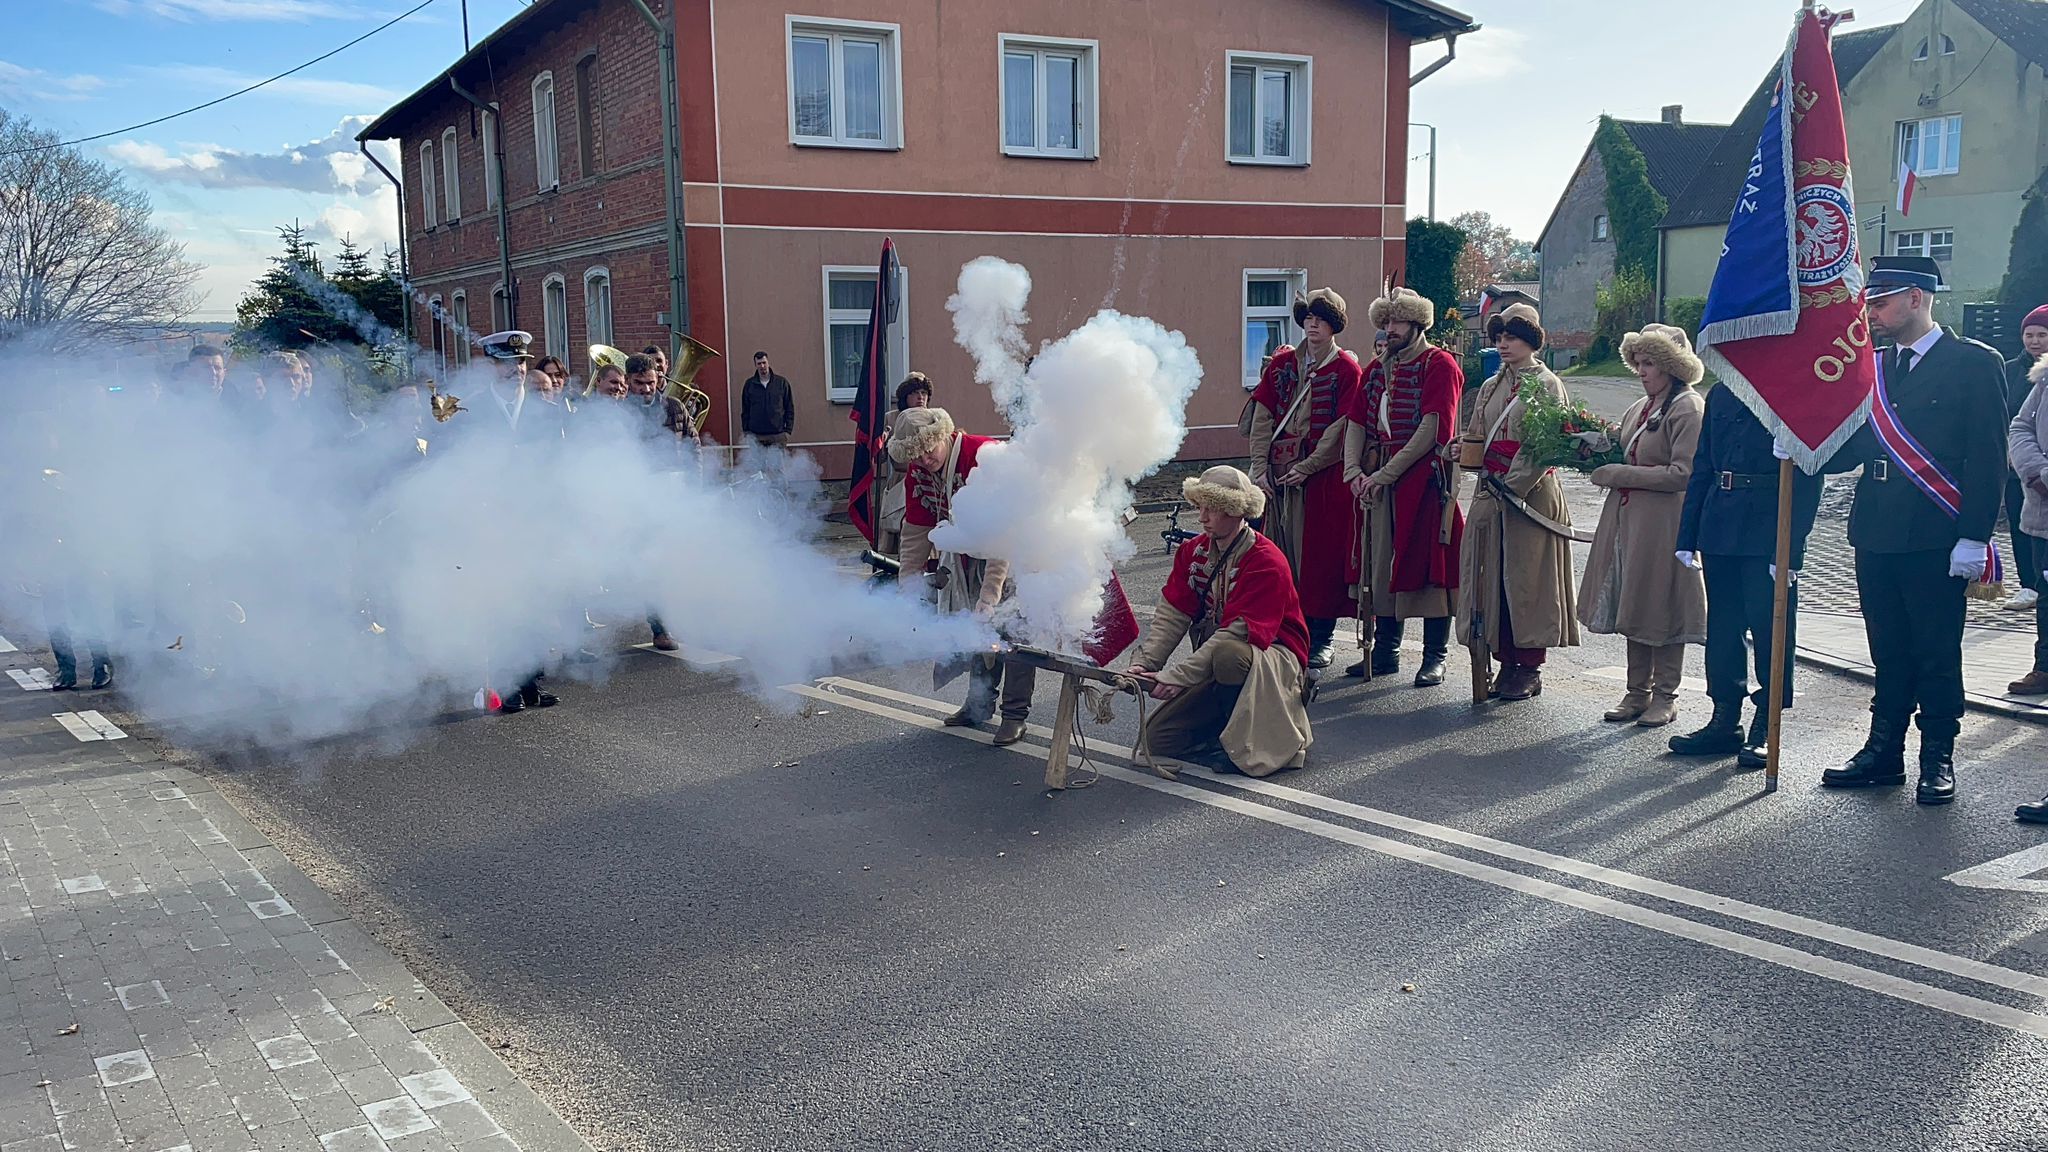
(2036, 813)
(1386, 646)
(1637, 698)
(1322, 631)
(1009, 732)
(1937, 769)
(1519, 682)
(1721, 736)
(1436, 646)
(1667, 671)
(2034, 683)
(1756, 749)
(1881, 762)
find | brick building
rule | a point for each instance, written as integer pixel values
(1196, 163)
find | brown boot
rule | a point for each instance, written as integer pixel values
(1519, 682)
(1009, 732)
(2034, 683)
(1638, 696)
(1667, 670)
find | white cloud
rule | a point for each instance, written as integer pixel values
(268, 10)
(309, 90)
(370, 221)
(1486, 57)
(329, 164)
(18, 82)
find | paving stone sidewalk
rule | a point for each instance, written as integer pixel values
(172, 983)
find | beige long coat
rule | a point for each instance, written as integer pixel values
(1504, 547)
(1634, 584)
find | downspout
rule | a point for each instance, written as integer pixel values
(404, 260)
(504, 208)
(1450, 54)
(678, 312)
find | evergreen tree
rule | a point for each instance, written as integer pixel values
(1433, 251)
(281, 310)
(2026, 271)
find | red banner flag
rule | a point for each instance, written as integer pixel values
(1784, 324)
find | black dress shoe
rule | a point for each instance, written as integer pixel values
(1357, 671)
(1721, 735)
(1880, 763)
(1937, 770)
(511, 704)
(1431, 673)
(544, 700)
(2036, 813)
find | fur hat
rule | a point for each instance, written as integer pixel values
(1321, 302)
(1225, 489)
(918, 431)
(1520, 321)
(1664, 347)
(1403, 304)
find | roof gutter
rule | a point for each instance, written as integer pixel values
(1450, 54)
(677, 316)
(504, 208)
(404, 261)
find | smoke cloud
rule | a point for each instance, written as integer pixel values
(275, 571)
(1093, 413)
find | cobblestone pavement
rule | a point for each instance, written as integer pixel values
(172, 984)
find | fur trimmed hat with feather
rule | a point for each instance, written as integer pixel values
(1227, 490)
(919, 431)
(1521, 321)
(1403, 305)
(1665, 347)
(1321, 302)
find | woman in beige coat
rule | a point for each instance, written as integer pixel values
(1515, 574)
(1635, 584)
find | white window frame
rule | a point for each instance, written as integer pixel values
(1087, 90)
(427, 192)
(837, 32)
(1603, 229)
(547, 145)
(1302, 112)
(440, 322)
(501, 320)
(555, 338)
(899, 332)
(451, 175)
(611, 305)
(1916, 131)
(1296, 280)
(490, 143)
(458, 326)
(1921, 242)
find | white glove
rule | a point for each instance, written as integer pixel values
(1687, 559)
(1967, 559)
(1778, 451)
(1774, 576)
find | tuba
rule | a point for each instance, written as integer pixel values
(602, 356)
(696, 402)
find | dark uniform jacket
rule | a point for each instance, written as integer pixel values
(1731, 502)
(1953, 403)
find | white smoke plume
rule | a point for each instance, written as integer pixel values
(1095, 412)
(269, 573)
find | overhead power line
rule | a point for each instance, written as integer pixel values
(223, 99)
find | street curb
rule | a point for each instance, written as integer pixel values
(1993, 704)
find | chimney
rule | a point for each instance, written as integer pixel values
(1673, 114)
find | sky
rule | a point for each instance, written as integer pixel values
(1513, 113)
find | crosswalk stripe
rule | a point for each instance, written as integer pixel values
(100, 724)
(89, 725)
(30, 679)
(7, 645)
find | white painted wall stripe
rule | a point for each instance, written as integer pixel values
(1929, 958)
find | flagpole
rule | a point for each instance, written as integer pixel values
(1781, 595)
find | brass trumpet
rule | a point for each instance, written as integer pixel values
(602, 356)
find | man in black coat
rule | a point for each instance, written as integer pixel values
(1933, 458)
(767, 406)
(1730, 528)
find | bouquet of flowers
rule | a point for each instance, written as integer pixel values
(1567, 435)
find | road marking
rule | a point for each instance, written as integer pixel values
(2012, 873)
(7, 645)
(1914, 954)
(30, 679)
(89, 725)
(692, 655)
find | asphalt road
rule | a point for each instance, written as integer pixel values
(703, 920)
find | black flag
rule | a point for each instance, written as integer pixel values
(870, 407)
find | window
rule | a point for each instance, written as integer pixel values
(1599, 227)
(451, 176)
(458, 328)
(586, 116)
(1048, 97)
(849, 297)
(554, 316)
(427, 184)
(844, 89)
(547, 164)
(1941, 244)
(1268, 315)
(501, 308)
(439, 323)
(1948, 48)
(597, 306)
(491, 158)
(1932, 147)
(1269, 109)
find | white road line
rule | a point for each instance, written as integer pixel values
(1882, 983)
(692, 655)
(2012, 873)
(76, 725)
(30, 679)
(7, 645)
(1914, 954)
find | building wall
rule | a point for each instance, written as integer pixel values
(1575, 263)
(1690, 257)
